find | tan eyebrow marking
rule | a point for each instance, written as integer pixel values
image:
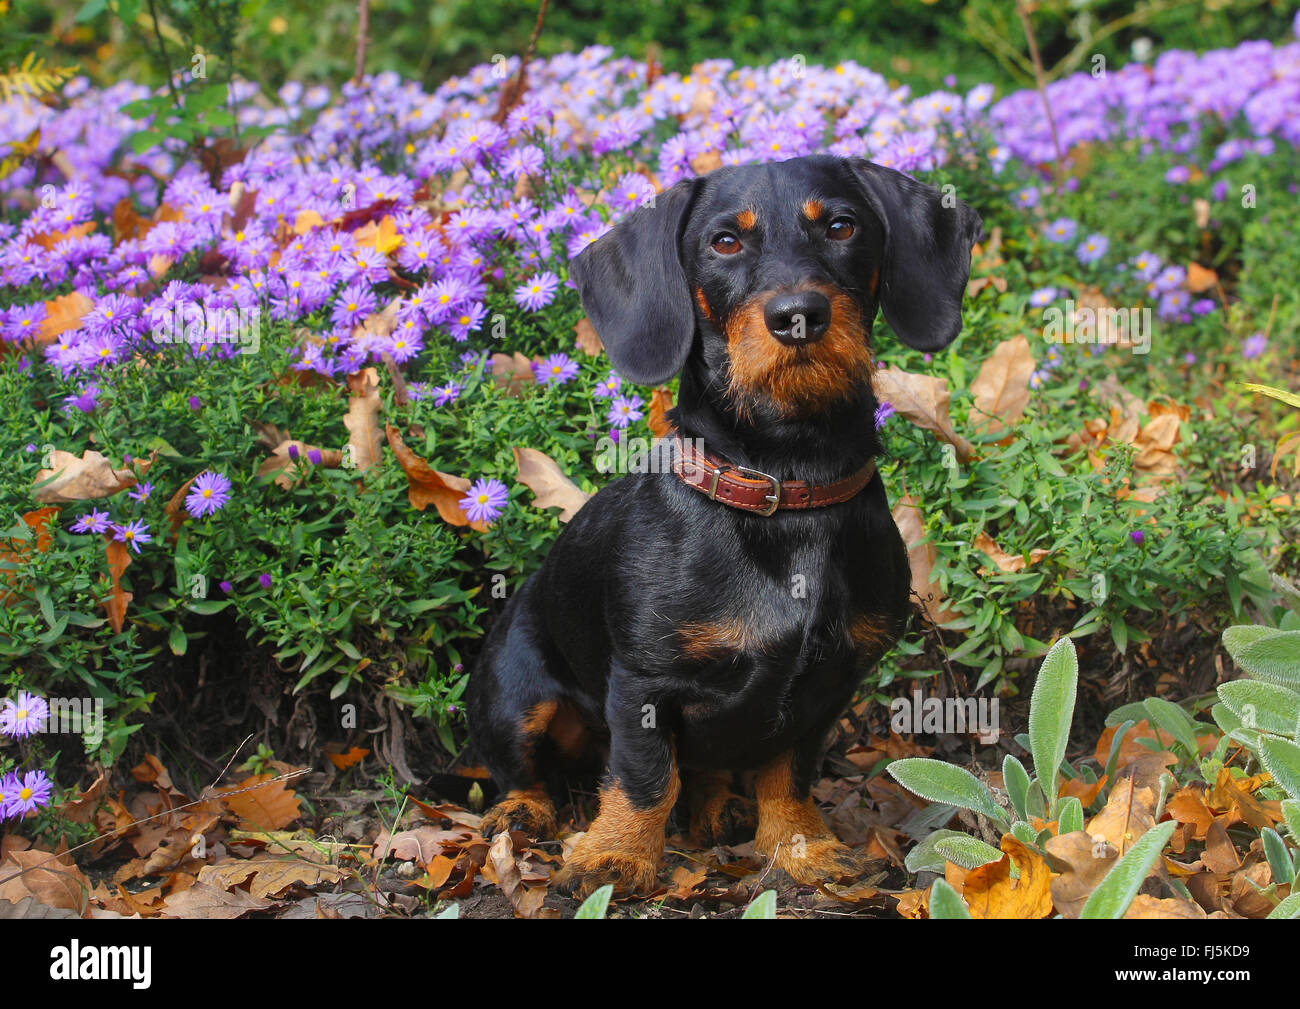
(812, 209)
(747, 219)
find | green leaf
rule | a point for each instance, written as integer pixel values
(1051, 709)
(450, 911)
(1070, 814)
(206, 607)
(763, 906)
(1289, 908)
(1174, 720)
(1116, 744)
(177, 641)
(966, 851)
(945, 902)
(1291, 812)
(1289, 398)
(1113, 896)
(1016, 780)
(142, 141)
(924, 858)
(1261, 705)
(1281, 758)
(90, 9)
(595, 905)
(1275, 658)
(941, 782)
(1278, 858)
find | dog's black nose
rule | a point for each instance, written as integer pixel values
(800, 317)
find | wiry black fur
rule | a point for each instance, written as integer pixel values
(598, 626)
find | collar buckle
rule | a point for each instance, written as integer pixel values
(774, 499)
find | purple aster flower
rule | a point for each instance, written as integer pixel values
(1027, 197)
(884, 410)
(485, 501)
(264, 580)
(444, 394)
(1177, 175)
(609, 387)
(23, 716)
(537, 291)
(1043, 296)
(1092, 248)
(1137, 536)
(208, 494)
(141, 492)
(314, 457)
(1061, 230)
(1254, 346)
(555, 370)
(225, 587)
(631, 191)
(24, 796)
(133, 534)
(96, 522)
(625, 409)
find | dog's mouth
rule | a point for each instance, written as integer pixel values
(800, 377)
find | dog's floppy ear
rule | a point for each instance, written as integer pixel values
(634, 289)
(928, 239)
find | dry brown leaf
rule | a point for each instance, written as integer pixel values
(1082, 862)
(345, 760)
(204, 900)
(1009, 563)
(1001, 389)
(551, 488)
(587, 338)
(119, 559)
(921, 556)
(39, 874)
(362, 420)
(1129, 813)
(62, 314)
(271, 877)
(272, 806)
(421, 844)
(430, 486)
(514, 374)
(92, 476)
(922, 399)
(526, 900)
(1199, 278)
(1187, 806)
(661, 401)
(990, 892)
(1145, 906)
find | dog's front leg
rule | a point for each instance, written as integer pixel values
(625, 842)
(792, 831)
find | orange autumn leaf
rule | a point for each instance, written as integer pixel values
(345, 760)
(1187, 806)
(990, 892)
(19, 549)
(588, 341)
(119, 559)
(381, 237)
(362, 419)
(1081, 790)
(49, 239)
(661, 401)
(62, 314)
(174, 512)
(268, 807)
(1200, 278)
(429, 486)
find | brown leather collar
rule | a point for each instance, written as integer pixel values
(754, 491)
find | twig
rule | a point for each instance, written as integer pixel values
(363, 39)
(514, 90)
(1040, 82)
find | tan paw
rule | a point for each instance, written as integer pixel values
(530, 811)
(587, 871)
(727, 819)
(821, 860)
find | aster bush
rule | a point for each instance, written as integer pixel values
(229, 398)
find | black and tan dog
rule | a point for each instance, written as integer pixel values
(718, 617)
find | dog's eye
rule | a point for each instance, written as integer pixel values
(840, 229)
(725, 244)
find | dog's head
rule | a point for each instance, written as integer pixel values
(773, 274)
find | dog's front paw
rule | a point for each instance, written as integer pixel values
(587, 871)
(821, 860)
(726, 819)
(529, 811)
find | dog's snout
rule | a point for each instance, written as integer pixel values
(799, 317)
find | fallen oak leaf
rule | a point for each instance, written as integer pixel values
(268, 877)
(513, 374)
(1009, 563)
(1081, 862)
(526, 900)
(551, 488)
(206, 900)
(362, 420)
(661, 401)
(119, 559)
(587, 339)
(990, 892)
(921, 556)
(71, 479)
(427, 485)
(923, 400)
(271, 806)
(1001, 389)
(62, 314)
(47, 878)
